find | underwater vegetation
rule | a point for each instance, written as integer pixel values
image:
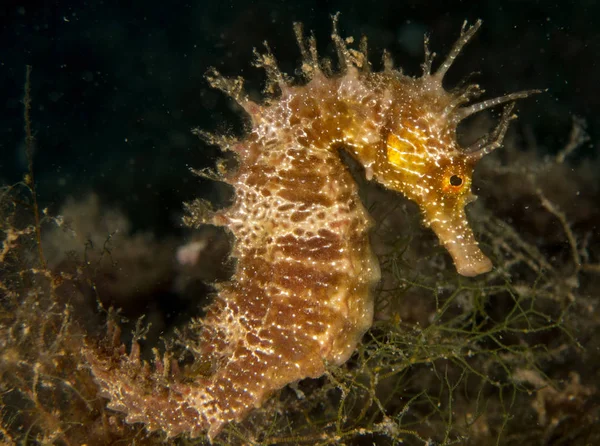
(499, 358)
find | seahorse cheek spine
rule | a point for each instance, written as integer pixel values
(302, 292)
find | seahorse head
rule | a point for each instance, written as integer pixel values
(428, 167)
(422, 159)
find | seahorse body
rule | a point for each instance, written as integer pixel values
(301, 295)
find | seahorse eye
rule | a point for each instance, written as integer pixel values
(455, 180)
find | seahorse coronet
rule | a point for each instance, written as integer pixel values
(302, 292)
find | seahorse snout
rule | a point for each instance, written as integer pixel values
(457, 237)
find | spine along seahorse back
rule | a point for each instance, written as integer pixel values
(301, 295)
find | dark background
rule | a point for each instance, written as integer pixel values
(117, 86)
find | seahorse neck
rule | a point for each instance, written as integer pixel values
(349, 111)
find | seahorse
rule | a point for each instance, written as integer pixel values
(301, 296)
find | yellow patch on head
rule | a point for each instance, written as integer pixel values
(400, 151)
(394, 150)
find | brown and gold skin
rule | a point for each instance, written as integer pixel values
(302, 293)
